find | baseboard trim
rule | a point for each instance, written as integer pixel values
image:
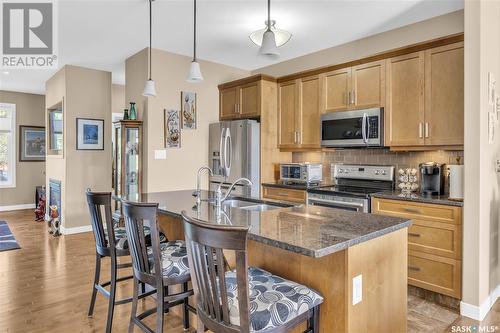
(75, 230)
(480, 312)
(16, 207)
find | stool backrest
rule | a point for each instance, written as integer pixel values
(100, 215)
(136, 216)
(205, 245)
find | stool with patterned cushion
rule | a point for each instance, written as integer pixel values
(247, 299)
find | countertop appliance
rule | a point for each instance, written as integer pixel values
(301, 172)
(431, 178)
(358, 128)
(353, 185)
(234, 152)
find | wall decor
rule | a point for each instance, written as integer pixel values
(31, 143)
(89, 134)
(188, 109)
(408, 180)
(172, 129)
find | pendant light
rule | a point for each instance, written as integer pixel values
(149, 87)
(194, 74)
(268, 46)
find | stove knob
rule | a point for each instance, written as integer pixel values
(383, 172)
(346, 171)
(341, 171)
(377, 172)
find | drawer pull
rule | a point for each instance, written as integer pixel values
(414, 268)
(412, 210)
(413, 234)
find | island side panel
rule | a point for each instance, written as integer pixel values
(382, 262)
(327, 275)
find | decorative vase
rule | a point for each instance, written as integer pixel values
(125, 114)
(133, 112)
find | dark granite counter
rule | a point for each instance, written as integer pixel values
(295, 186)
(309, 230)
(417, 197)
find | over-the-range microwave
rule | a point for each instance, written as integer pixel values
(357, 128)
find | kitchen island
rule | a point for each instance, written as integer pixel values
(322, 248)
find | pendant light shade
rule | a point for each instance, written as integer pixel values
(281, 36)
(269, 47)
(150, 87)
(194, 74)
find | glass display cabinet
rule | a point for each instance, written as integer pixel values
(127, 151)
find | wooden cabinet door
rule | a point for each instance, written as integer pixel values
(444, 95)
(336, 86)
(228, 100)
(368, 85)
(288, 102)
(249, 103)
(404, 114)
(308, 121)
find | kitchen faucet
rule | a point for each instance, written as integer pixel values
(197, 193)
(219, 198)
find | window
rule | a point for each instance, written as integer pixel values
(7, 145)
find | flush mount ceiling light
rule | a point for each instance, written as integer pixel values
(194, 74)
(282, 36)
(149, 87)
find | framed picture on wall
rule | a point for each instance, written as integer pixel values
(31, 143)
(188, 110)
(172, 129)
(89, 134)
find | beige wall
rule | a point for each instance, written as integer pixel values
(117, 98)
(178, 171)
(87, 94)
(482, 197)
(29, 111)
(411, 34)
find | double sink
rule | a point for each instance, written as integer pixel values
(251, 205)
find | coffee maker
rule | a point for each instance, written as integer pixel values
(431, 178)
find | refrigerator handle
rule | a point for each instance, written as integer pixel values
(227, 151)
(221, 158)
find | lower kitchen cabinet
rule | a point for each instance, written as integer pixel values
(284, 194)
(434, 243)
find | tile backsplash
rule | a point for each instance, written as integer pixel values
(381, 156)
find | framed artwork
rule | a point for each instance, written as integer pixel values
(188, 110)
(89, 134)
(172, 129)
(31, 143)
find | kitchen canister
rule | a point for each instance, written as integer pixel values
(456, 181)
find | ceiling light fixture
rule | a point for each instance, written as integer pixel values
(282, 36)
(194, 74)
(149, 87)
(268, 46)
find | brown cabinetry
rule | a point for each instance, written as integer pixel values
(434, 243)
(425, 98)
(298, 112)
(357, 87)
(284, 194)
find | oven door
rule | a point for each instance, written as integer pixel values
(352, 204)
(358, 128)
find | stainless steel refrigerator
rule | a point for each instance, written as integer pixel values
(234, 152)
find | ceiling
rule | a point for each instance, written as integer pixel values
(102, 34)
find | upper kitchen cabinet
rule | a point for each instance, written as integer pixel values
(299, 112)
(425, 99)
(242, 98)
(444, 95)
(357, 87)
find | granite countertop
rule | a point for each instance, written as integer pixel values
(309, 230)
(295, 186)
(417, 197)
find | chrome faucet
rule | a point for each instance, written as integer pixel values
(220, 198)
(197, 193)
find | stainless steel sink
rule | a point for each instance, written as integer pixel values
(260, 207)
(250, 205)
(237, 203)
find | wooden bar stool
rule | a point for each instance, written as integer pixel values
(110, 242)
(247, 299)
(159, 266)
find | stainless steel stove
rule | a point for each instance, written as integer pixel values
(353, 186)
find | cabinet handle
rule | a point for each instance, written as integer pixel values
(235, 108)
(295, 137)
(412, 210)
(349, 98)
(414, 268)
(413, 234)
(421, 130)
(426, 130)
(299, 137)
(354, 97)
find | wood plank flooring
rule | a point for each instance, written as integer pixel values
(45, 287)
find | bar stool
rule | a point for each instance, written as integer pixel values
(159, 266)
(110, 242)
(247, 299)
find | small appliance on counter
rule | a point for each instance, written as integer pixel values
(303, 173)
(431, 178)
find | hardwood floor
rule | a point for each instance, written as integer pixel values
(45, 287)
